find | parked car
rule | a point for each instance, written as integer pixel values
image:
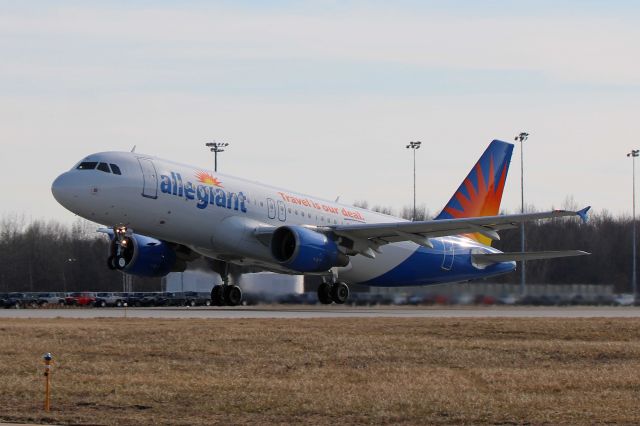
(51, 299)
(84, 298)
(175, 299)
(623, 300)
(20, 300)
(192, 298)
(105, 299)
(140, 299)
(159, 299)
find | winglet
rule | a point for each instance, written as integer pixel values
(583, 214)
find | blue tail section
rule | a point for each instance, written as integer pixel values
(480, 193)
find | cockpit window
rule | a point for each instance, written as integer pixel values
(87, 165)
(104, 167)
(115, 169)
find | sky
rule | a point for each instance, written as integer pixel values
(322, 97)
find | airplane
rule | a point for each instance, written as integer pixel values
(161, 215)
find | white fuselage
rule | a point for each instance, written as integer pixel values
(217, 215)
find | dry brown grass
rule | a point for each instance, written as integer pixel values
(369, 371)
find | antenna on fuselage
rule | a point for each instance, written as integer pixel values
(338, 199)
(133, 149)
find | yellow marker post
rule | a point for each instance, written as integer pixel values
(47, 379)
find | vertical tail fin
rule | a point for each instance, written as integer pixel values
(480, 193)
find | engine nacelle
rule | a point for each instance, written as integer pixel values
(305, 250)
(144, 256)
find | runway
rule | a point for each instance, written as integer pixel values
(300, 312)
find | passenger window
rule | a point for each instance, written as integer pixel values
(115, 169)
(104, 167)
(87, 165)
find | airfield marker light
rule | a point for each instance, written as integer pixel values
(48, 359)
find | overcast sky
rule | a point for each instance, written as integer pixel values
(322, 97)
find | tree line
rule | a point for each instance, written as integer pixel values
(49, 256)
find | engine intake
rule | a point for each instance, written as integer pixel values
(305, 250)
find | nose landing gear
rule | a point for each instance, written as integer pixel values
(121, 249)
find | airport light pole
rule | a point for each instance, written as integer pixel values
(414, 146)
(216, 147)
(523, 136)
(633, 154)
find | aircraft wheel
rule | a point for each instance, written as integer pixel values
(324, 294)
(233, 295)
(217, 296)
(340, 293)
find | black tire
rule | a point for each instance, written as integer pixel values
(207, 302)
(111, 262)
(217, 298)
(103, 304)
(340, 293)
(324, 294)
(233, 295)
(119, 303)
(191, 303)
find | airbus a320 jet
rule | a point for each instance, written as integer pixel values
(161, 215)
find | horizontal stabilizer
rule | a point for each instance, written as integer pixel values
(488, 258)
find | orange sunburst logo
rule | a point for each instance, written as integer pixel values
(207, 178)
(483, 201)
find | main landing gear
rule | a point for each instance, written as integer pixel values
(337, 292)
(226, 294)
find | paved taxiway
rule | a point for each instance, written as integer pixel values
(328, 312)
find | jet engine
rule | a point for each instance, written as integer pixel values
(145, 256)
(305, 250)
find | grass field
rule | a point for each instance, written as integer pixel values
(334, 371)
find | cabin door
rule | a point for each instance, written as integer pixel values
(448, 254)
(149, 178)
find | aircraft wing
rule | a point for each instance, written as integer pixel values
(489, 258)
(367, 238)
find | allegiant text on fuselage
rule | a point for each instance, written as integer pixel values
(204, 194)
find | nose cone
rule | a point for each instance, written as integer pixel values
(64, 190)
